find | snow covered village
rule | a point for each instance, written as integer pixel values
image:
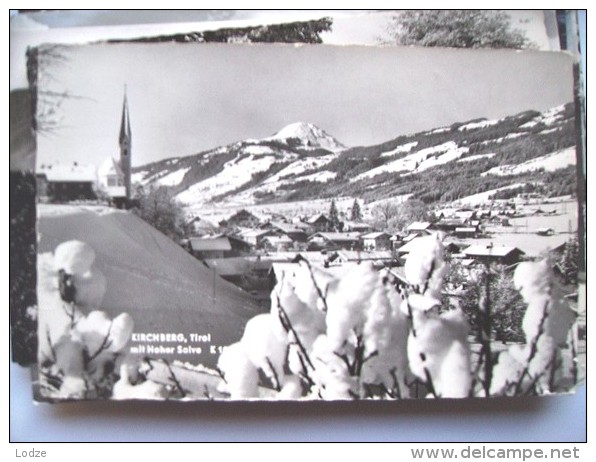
(438, 262)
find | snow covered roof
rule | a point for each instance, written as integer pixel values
(538, 246)
(243, 214)
(353, 255)
(466, 229)
(374, 235)
(412, 244)
(110, 167)
(465, 213)
(209, 243)
(316, 218)
(468, 261)
(287, 227)
(74, 172)
(313, 257)
(278, 239)
(203, 223)
(254, 233)
(490, 250)
(449, 222)
(416, 234)
(337, 237)
(446, 212)
(418, 226)
(355, 225)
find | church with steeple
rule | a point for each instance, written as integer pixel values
(114, 175)
(125, 140)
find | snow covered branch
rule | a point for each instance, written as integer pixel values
(353, 336)
(82, 345)
(358, 336)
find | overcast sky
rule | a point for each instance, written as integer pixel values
(185, 98)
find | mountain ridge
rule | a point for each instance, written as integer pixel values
(302, 161)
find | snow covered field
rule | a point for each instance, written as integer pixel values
(549, 163)
(158, 283)
(299, 167)
(174, 178)
(480, 198)
(400, 149)
(235, 173)
(418, 161)
(548, 117)
(481, 124)
(288, 209)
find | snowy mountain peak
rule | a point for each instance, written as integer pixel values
(307, 135)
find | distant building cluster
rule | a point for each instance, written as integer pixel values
(251, 249)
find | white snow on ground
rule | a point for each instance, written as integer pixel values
(258, 150)
(440, 130)
(548, 117)
(161, 178)
(452, 153)
(51, 210)
(549, 163)
(138, 177)
(531, 123)
(234, 174)
(482, 197)
(550, 130)
(296, 171)
(248, 197)
(400, 149)
(511, 136)
(299, 167)
(419, 160)
(476, 157)
(173, 178)
(475, 125)
(149, 276)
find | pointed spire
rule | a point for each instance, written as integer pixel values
(125, 145)
(125, 133)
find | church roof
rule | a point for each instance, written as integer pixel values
(110, 167)
(125, 132)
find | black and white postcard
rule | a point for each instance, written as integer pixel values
(305, 221)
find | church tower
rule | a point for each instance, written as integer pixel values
(125, 140)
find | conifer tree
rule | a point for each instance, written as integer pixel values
(569, 261)
(356, 213)
(334, 216)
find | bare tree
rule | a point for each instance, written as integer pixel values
(47, 94)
